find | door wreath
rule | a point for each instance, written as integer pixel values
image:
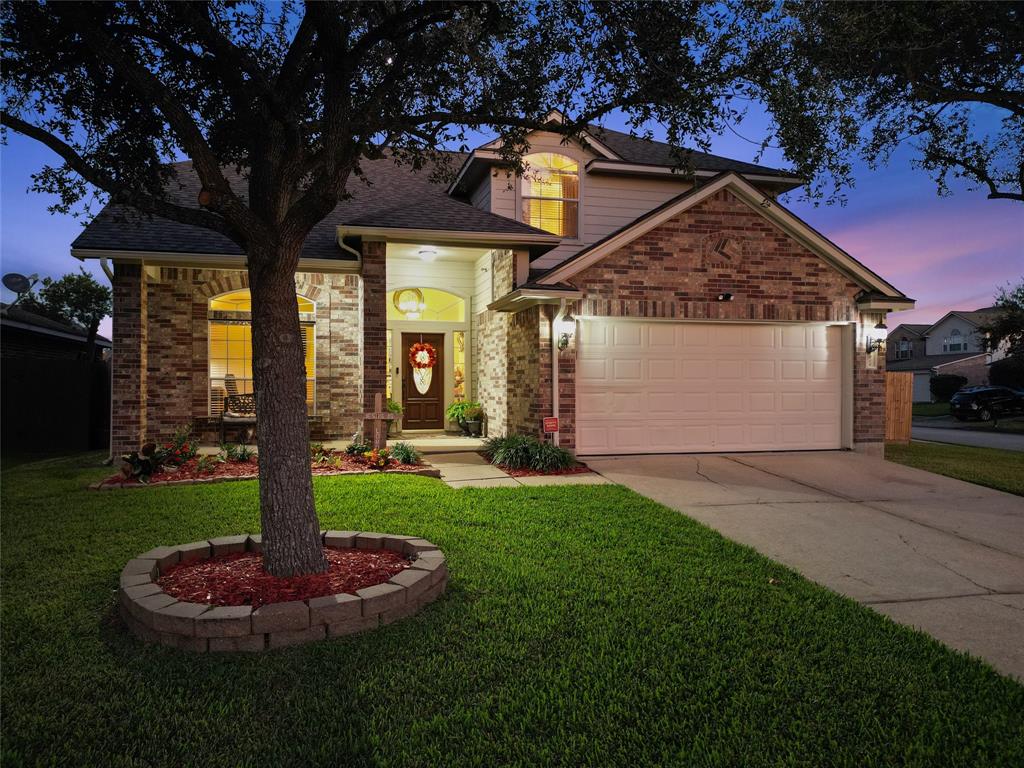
(422, 358)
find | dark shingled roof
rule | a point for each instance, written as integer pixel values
(395, 196)
(637, 150)
(916, 328)
(44, 324)
(927, 362)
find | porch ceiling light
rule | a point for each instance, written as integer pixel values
(427, 253)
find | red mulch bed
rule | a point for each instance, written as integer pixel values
(578, 469)
(239, 579)
(340, 462)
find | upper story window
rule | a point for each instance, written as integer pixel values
(954, 342)
(550, 190)
(904, 349)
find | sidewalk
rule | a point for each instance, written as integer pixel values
(471, 470)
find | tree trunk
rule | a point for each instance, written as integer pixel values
(291, 531)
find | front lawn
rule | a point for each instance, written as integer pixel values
(1002, 470)
(930, 409)
(583, 626)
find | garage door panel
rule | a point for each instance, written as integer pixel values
(661, 387)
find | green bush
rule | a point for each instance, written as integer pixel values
(394, 406)
(1008, 372)
(548, 457)
(526, 452)
(945, 385)
(456, 412)
(236, 453)
(358, 446)
(405, 453)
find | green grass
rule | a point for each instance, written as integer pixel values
(930, 409)
(583, 626)
(1002, 470)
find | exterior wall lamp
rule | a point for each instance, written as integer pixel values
(567, 326)
(877, 345)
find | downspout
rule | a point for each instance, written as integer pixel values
(105, 266)
(556, 316)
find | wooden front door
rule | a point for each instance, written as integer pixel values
(423, 410)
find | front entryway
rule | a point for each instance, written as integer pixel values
(423, 389)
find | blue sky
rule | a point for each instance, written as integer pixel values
(948, 253)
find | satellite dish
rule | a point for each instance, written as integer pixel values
(17, 283)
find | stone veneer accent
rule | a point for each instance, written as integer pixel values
(490, 332)
(160, 355)
(156, 617)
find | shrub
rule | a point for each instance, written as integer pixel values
(548, 457)
(945, 385)
(206, 464)
(318, 454)
(394, 406)
(378, 459)
(143, 463)
(358, 446)
(473, 413)
(405, 453)
(236, 453)
(512, 451)
(457, 411)
(1008, 372)
(180, 448)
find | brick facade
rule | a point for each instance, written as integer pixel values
(373, 311)
(974, 369)
(490, 333)
(678, 270)
(161, 343)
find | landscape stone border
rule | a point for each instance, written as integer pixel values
(107, 484)
(156, 617)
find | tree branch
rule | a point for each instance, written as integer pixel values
(120, 193)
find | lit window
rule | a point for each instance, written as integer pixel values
(954, 342)
(551, 193)
(459, 338)
(231, 347)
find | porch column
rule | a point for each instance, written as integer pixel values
(375, 321)
(129, 358)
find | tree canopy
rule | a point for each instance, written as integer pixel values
(72, 298)
(938, 75)
(1007, 325)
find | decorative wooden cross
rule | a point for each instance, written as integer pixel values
(380, 417)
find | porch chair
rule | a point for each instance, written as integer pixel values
(240, 413)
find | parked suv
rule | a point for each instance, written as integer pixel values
(986, 403)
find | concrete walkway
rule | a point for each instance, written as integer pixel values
(929, 551)
(1007, 441)
(471, 470)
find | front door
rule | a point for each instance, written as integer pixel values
(423, 390)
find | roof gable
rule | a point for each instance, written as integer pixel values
(754, 199)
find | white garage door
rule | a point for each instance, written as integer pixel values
(650, 387)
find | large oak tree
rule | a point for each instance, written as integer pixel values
(295, 96)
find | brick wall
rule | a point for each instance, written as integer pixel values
(490, 346)
(161, 368)
(723, 246)
(974, 369)
(374, 323)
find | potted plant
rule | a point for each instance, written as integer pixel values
(455, 413)
(472, 419)
(394, 407)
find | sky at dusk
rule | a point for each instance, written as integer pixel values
(947, 253)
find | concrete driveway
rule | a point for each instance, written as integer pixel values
(929, 551)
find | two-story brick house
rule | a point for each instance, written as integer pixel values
(651, 310)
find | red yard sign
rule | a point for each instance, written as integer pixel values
(550, 424)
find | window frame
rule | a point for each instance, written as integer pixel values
(904, 349)
(960, 343)
(522, 197)
(244, 318)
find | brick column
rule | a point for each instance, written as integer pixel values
(374, 320)
(868, 395)
(130, 359)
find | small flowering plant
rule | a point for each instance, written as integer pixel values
(180, 448)
(378, 458)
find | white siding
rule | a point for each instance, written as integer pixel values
(452, 276)
(607, 202)
(938, 334)
(482, 284)
(481, 196)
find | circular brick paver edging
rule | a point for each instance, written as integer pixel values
(156, 617)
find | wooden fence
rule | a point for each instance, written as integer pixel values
(899, 400)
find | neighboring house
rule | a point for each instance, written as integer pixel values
(953, 345)
(651, 310)
(53, 397)
(26, 334)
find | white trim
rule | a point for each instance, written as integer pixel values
(554, 116)
(757, 201)
(484, 239)
(958, 360)
(959, 313)
(644, 169)
(886, 305)
(209, 260)
(524, 298)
